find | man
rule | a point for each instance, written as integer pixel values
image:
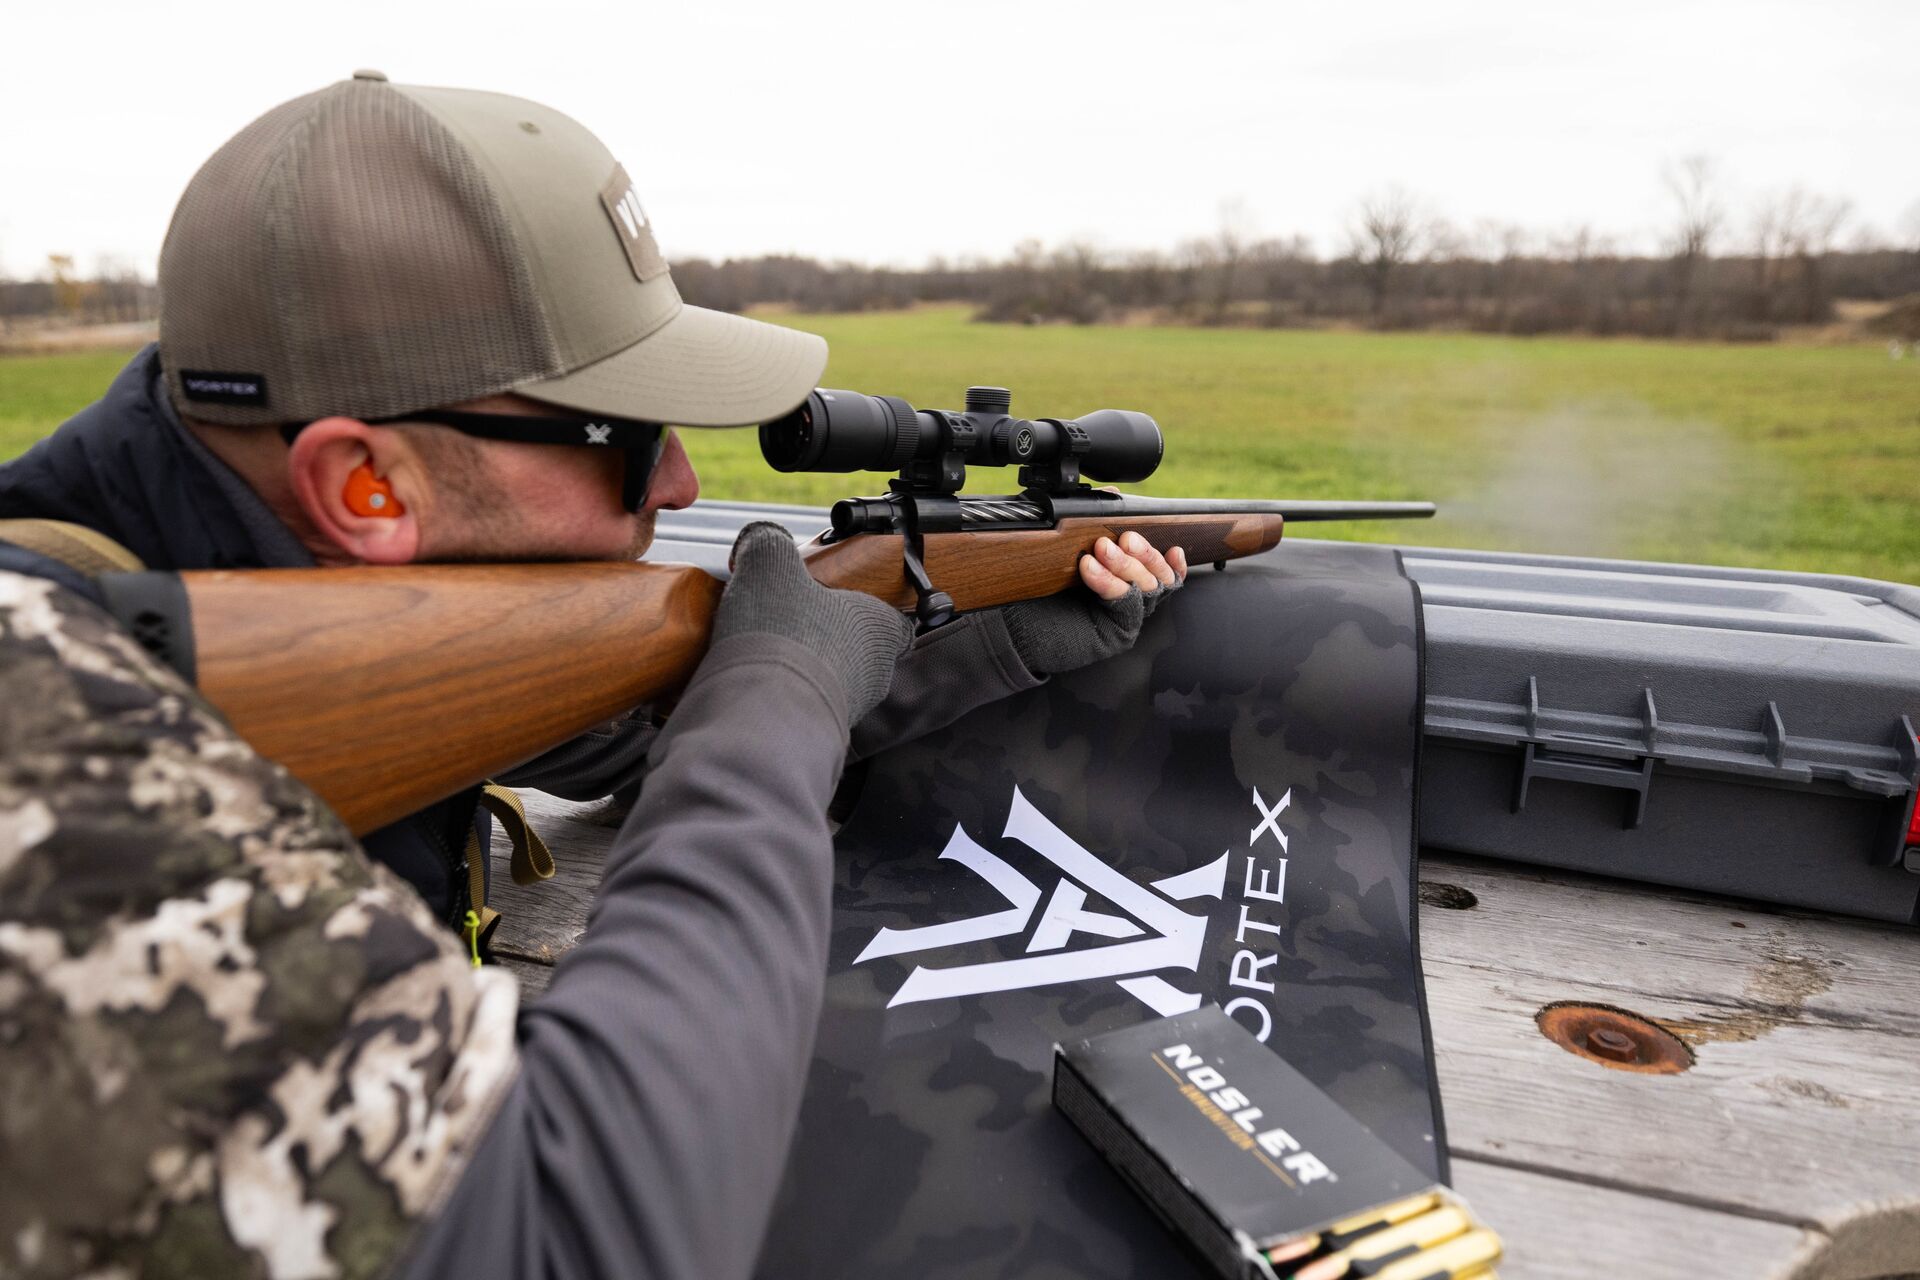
(453, 302)
(404, 324)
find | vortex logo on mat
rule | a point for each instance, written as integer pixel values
(1153, 935)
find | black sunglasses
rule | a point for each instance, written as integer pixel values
(643, 441)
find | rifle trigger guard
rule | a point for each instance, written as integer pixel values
(932, 608)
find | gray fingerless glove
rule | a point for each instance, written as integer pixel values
(858, 637)
(1076, 628)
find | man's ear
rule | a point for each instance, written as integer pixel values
(321, 459)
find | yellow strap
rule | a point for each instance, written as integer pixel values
(81, 549)
(472, 933)
(531, 860)
(481, 918)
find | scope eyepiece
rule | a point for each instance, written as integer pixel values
(842, 431)
(931, 448)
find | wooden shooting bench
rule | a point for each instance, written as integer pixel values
(1787, 1145)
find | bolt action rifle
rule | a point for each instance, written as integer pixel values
(351, 677)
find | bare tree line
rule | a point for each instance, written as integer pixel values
(114, 293)
(1401, 267)
(1404, 267)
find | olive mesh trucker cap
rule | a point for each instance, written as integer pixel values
(373, 249)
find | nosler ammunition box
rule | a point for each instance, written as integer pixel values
(1257, 1169)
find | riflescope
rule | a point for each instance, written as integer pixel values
(932, 448)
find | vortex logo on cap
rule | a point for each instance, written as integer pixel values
(622, 204)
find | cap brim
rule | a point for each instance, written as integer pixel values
(700, 369)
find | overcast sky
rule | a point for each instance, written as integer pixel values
(889, 130)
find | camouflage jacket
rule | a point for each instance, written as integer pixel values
(229, 1044)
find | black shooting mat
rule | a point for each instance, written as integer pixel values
(1078, 858)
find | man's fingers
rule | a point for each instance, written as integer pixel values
(1101, 581)
(763, 543)
(1125, 566)
(1114, 567)
(1145, 552)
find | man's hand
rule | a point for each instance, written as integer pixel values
(858, 637)
(1074, 629)
(1115, 568)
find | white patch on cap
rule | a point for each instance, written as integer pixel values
(629, 220)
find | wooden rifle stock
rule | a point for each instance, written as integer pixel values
(386, 689)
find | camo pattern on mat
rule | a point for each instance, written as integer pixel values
(229, 1045)
(1223, 814)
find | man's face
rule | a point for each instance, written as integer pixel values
(544, 501)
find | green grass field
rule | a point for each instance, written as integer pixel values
(1803, 457)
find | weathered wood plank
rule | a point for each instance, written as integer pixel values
(1555, 1229)
(1805, 1090)
(1651, 937)
(533, 976)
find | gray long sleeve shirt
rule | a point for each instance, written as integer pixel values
(661, 1074)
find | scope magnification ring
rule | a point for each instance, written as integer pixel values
(906, 431)
(1010, 440)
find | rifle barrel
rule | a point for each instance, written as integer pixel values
(1292, 510)
(987, 513)
(1297, 511)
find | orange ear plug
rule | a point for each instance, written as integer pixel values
(368, 495)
